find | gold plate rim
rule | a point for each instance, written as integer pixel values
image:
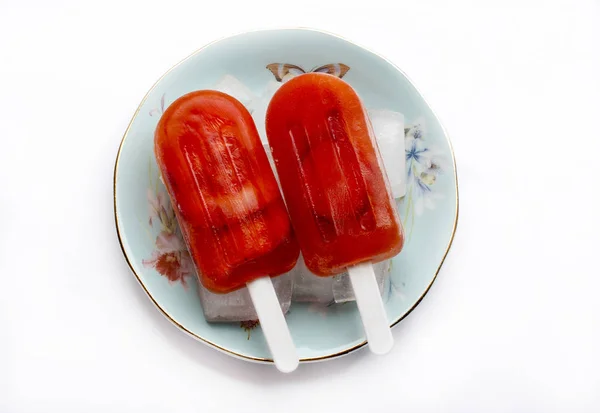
(210, 343)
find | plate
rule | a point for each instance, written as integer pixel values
(145, 221)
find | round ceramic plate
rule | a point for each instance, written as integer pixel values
(145, 221)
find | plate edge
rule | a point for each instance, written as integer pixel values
(210, 343)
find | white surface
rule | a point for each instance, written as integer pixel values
(273, 324)
(370, 306)
(512, 323)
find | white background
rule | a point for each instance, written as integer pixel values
(512, 323)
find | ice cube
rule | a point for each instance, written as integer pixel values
(259, 113)
(259, 109)
(270, 89)
(309, 287)
(233, 87)
(388, 127)
(272, 163)
(237, 305)
(342, 288)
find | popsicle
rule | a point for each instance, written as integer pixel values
(336, 189)
(228, 205)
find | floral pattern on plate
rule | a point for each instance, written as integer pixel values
(285, 71)
(424, 163)
(170, 257)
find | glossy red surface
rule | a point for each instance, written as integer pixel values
(331, 174)
(223, 190)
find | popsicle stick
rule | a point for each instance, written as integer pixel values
(273, 324)
(370, 306)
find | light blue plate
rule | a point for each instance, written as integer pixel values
(146, 226)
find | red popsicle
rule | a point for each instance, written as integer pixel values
(336, 189)
(223, 190)
(331, 174)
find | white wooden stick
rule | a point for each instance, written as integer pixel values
(273, 324)
(370, 306)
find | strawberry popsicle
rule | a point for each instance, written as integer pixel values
(335, 186)
(230, 211)
(331, 174)
(223, 190)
